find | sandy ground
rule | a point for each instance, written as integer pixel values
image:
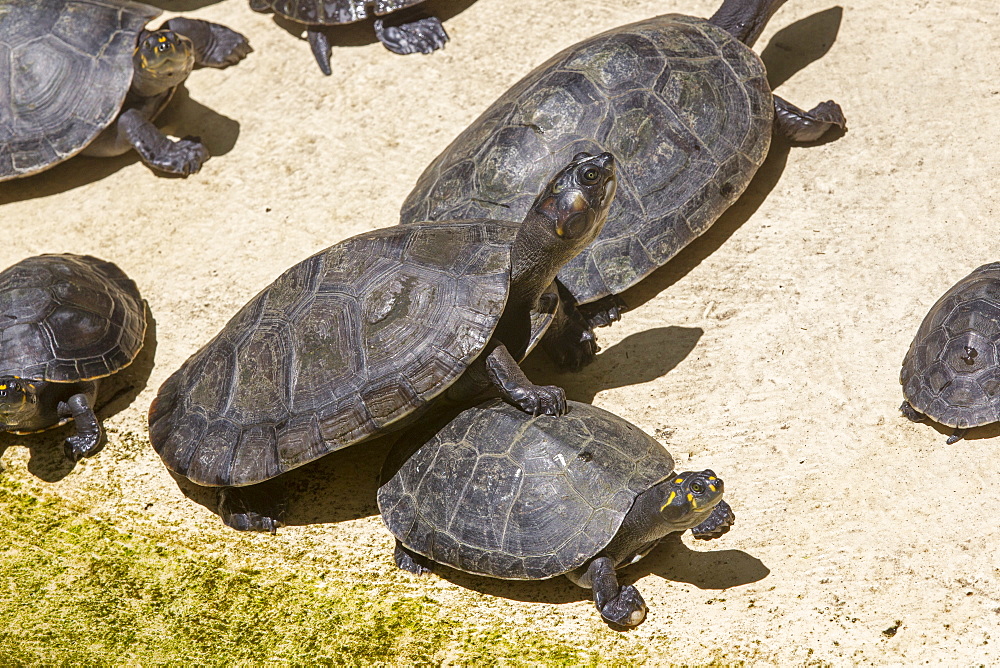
(769, 349)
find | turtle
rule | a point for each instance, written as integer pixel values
(408, 32)
(685, 105)
(362, 337)
(498, 493)
(951, 372)
(66, 322)
(86, 76)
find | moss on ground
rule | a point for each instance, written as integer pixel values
(76, 590)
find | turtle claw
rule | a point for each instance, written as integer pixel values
(956, 436)
(627, 609)
(604, 312)
(421, 36)
(410, 561)
(236, 512)
(716, 524)
(82, 445)
(184, 157)
(540, 399)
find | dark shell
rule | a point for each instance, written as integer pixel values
(951, 373)
(500, 493)
(65, 67)
(685, 108)
(340, 347)
(331, 12)
(65, 318)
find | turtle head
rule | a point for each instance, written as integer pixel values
(163, 59)
(17, 400)
(576, 201)
(690, 501)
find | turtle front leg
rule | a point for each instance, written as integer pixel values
(251, 508)
(182, 157)
(214, 45)
(516, 389)
(570, 341)
(87, 440)
(604, 312)
(411, 35)
(618, 605)
(910, 413)
(804, 126)
(716, 524)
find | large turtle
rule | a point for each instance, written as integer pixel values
(684, 104)
(951, 373)
(66, 322)
(502, 494)
(364, 336)
(86, 76)
(406, 33)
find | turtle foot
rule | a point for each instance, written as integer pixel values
(957, 436)
(82, 445)
(604, 312)
(539, 399)
(411, 561)
(319, 42)
(572, 352)
(910, 413)
(416, 36)
(716, 524)
(806, 126)
(215, 45)
(184, 157)
(627, 609)
(244, 511)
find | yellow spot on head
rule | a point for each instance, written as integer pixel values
(679, 480)
(161, 39)
(712, 477)
(694, 504)
(712, 487)
(3, 387)
(670, 499)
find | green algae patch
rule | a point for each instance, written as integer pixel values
(75, 589)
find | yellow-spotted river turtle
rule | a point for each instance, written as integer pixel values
(503, 494)
(66, 322)
(362, 337)
(682, 102)
(86, 76)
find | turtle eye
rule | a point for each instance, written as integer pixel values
(589, 175)
(697, 487)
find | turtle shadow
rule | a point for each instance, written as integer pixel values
(984, 432)
(797, 45)
(362, 33)
(671, 560)
(46, 460)
(181, 5)
(338, 487)
(216, 131)
(638, 358)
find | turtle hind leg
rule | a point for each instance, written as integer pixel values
(411, 561)
(910, 413)
(411, 34)
(253, 508)
(182, 157)
(88, 438)
(319, 42)
(622, 606)
(805, 126)
(957, 436)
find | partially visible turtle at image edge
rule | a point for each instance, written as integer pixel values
(951, 373)
(684, 104)
(499, 493)
(66, 322)
(85, 76)
(404, 34)
(368, 335)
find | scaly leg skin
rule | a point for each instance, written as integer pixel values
(910, 413)
(87, 440)
(604, 312)
(214, 45)
(805, 126)
(957, 436)
(516, 389)
(249, 509)
(618, 605)
(411, 561)
(319, 42)
(182, 157)
(570, 342)
(422, 35)
(716, 524)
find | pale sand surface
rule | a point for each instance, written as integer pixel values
(768, 350)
